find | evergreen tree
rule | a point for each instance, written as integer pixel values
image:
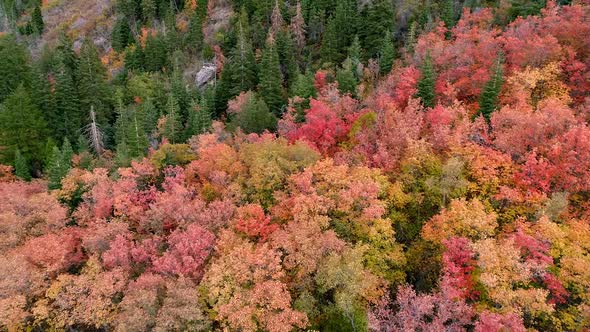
(42, 98)
(67, 153)
(254, 117)
(297, 28)
(64, 53)
(346, 79)
(270, 85)
(329, 51)
(149, 10)
(355, 51)
(37, 20)
(448, 13)
(151, 116)
(121, 36)
(377, 19)
(155, 53)
(199, 120)
(488, 101)
(345, 19)
(134, 58)
(137, 139)
(194, 36)
(93, 87)
(21, 166)
(180, 92)
(67, 117)
(55, 170)
(22, 128)
(426, 85)
(14, 66)
(287, 61)
(387, 54)
(172, 126)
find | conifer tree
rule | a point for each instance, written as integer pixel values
(426, 85)
(121, 36)
(21, 128)
(137, 138)
(287, 61)
(67, 153)
(448, 13)
(270, 85)
(14, 66)
(254, 116)
(242, 70)
(37, 20)
(329, 51)
(199, 120)
(346, 79)
(172, 126)
(355, 51)
(194, 36)
(488, 101)
(55, 170)
(149, 10)
(298, 28)
(67, 117)
(155, 53)
(21, 166)
(387, 54)
(377, 19)
(151, 115)
(93, 88)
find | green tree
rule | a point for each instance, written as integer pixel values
(155, 53)
(149, 10)
(329, 51)
(22, 128)
(172, 128)
(37, 20)
(270, 86)
(194, 36)
(287, 60)
(488, 101)
(448, 14)
(21, 166)
(254, 116)
(93, 87)
(387, 54)
(14, 66)
(346, 79)
(67, 153)
(376, 20)
(426, 85)
(56, 169)
(199, 120)
(355, 51)
(121, 36)
(66, 119)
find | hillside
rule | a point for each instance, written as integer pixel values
(312, 165)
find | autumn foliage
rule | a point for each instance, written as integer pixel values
(376, 214)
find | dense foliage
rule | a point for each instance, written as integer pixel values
(347, 166)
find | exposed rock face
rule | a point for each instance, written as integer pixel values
(205, 75)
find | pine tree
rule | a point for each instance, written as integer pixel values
(194, 36)
(67, 153)
(93, 87)
(242, 71)
(121, 36)
(134, 58)
(172, 127)
(14, 66)
(287, 61)
(67, 117)
(37, 20)
(21, 128)
(137, 138)
(426, 85)
(387, 54)
(155, 53)
(355, 51)
(55, 170)
(180, 92)
(270, 85)
(329, 51)
(377, 19)
(148, 10)
(254, 117)
(346, 79)
(488, 101)
(21, 166)
(448, 13)
(151, 116)
(345, 19)
(199, 120)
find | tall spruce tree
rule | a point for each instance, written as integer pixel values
(56, 170)
(488, 101)
(426, 85)
(194, 36)
(21, 166)
(172, 128)
(199, 120)
(346, 78)
(387, 54)
(22, 128)
(329, 51)
(14, 66)
(93, 87)
(254, 117)
(376, 20)
(270, 85)
(37, 20)
(67, 116)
